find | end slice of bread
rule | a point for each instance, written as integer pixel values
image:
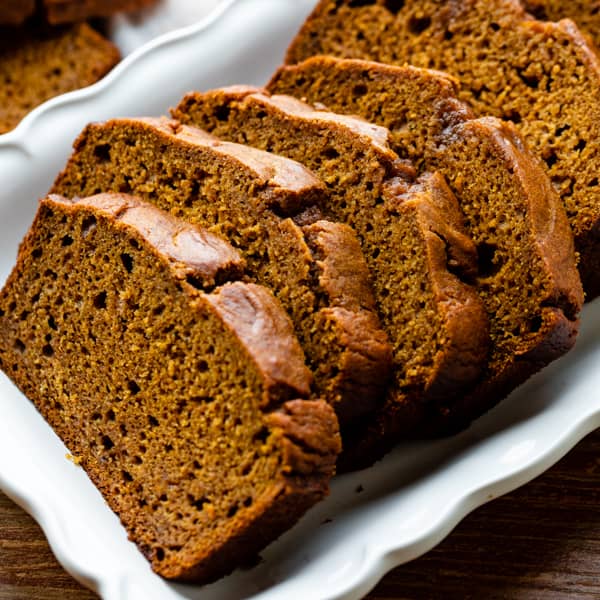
(179, 388)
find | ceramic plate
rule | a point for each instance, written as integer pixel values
(374, 519)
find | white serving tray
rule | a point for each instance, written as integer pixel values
(374, 519)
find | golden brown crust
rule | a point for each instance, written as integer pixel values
(344, 275)
(197, 255)
(260, 324)
(245, 195)
(38, 63)
(203, 464)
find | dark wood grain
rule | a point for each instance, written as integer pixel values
(540, 542)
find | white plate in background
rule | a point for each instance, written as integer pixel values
(374, 519)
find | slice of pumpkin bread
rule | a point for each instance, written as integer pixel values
(181, 391)
(38, 63)
(411, 234)
(542, 76)
(527, 276)
(249, 197)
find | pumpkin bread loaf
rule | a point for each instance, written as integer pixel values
(527, 276)
(251, 198)
(71, 11)
(585, 13)
(411, 235)
(181, 391)
(542, 76)
(38, 63)
(15, 12)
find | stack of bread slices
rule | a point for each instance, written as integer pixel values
(218, 309)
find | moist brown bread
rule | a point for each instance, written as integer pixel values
(38, 63)
(543, 77)
(584, 12)
(14, 12)
(248, 197)
(527, 277)
(411, 235)
(178, 389)
(71, 11)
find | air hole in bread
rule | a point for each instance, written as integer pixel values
(37, 253)
(535, 324)
(127, 261)
(153, 421)
(418, 25)
(47, 350)
(531, 81)
(222, 113)
(394, 6)
(359, 90)
(197, 503)
(102, 152)
(19, 346)
(125, 186)
(100, 301)
(107, 442)
(133, 387)
(195, 281)
(67, 240)
(88, 225)
(261, 435)
(487, 260)
(354, 3)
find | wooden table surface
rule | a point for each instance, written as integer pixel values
(540, 542)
